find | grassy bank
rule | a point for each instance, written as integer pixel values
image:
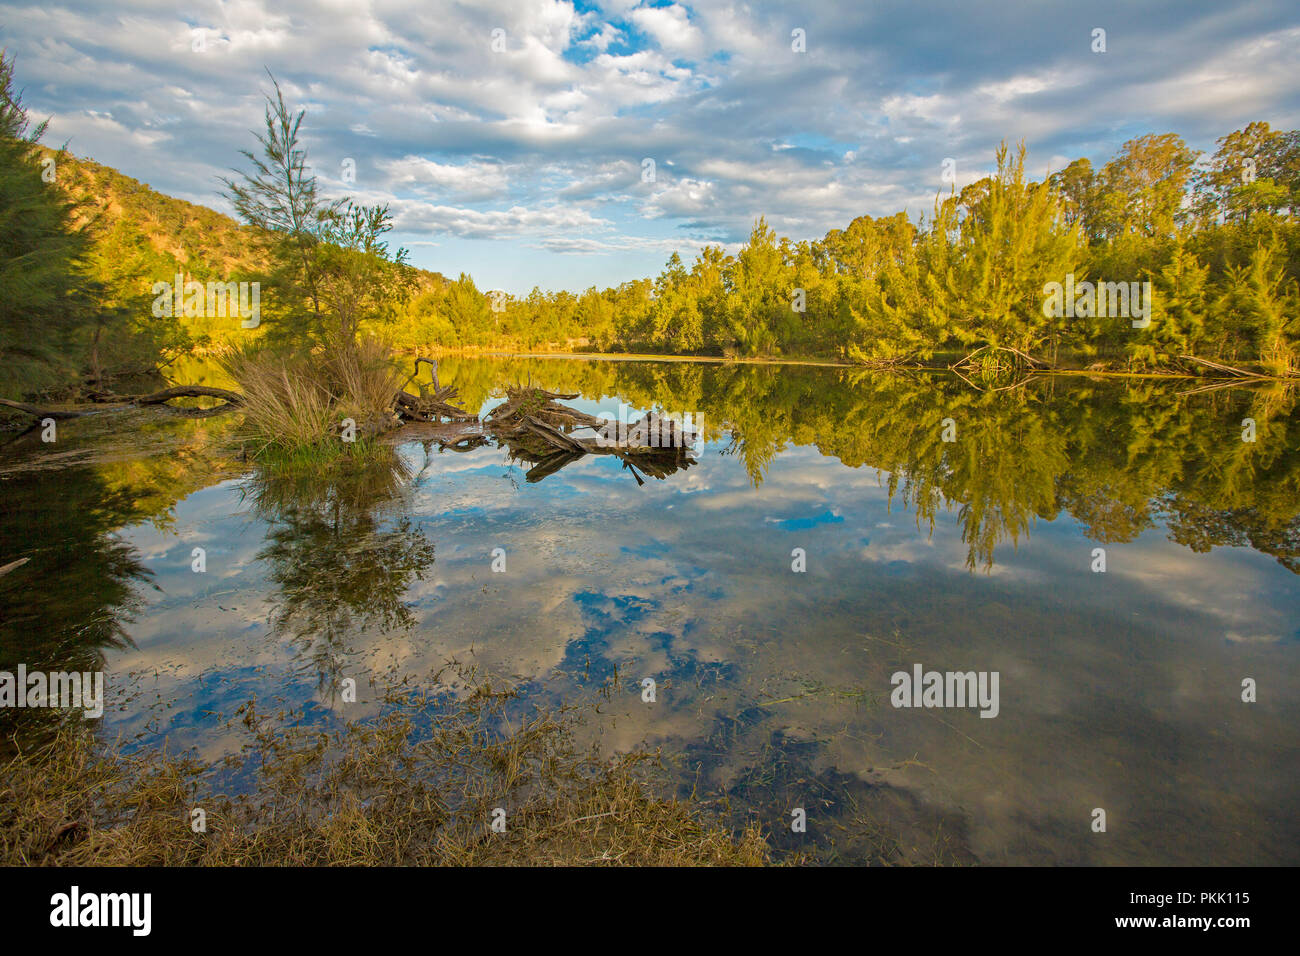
(418, 785)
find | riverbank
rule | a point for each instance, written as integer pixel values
(941, 363)
(814, 362)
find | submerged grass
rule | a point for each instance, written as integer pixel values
(328, 456)
(416, 786)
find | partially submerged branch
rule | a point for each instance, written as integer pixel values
(188, 391)
(431, 405)
(538, 429)
(1227, 369)
(38, 412)
(118, 403)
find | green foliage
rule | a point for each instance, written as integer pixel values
(330, 269)
(1256, 171)
(1264, 302)
(45, 308)
(1220, 249)
(296, 403)
(973, 279)
(1142, 189)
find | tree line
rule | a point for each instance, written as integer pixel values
(1217, 240)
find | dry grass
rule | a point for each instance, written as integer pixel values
(286, 405)
(299, 401)
(416, 786)
(363, 378)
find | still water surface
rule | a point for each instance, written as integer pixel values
(1119, 690)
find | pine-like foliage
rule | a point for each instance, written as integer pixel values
(44, 306)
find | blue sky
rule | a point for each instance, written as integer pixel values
(523, 165)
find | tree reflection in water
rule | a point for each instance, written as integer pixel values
(342, 550)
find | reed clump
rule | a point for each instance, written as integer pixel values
(310, 406)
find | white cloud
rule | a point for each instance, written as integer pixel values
(471, 180)
(670, 27)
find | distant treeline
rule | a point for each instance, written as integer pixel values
(1217, 241)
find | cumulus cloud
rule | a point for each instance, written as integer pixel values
(671, 28)
(473, 223)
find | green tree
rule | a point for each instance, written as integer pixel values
(1142, 189)
(332, 265)
(45, 311)
(468, 310)
(1077, 188)
(1253, 171)
(1261, 298)
(985, 262)
(759, 302)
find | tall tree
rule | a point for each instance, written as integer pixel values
(1143, 188)
(1255, 170)
(46, 306)
(332, 265)
(1076, 185)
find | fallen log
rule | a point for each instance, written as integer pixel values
(188, 391)
(539, 430)
(39, 412)
(550, 465)
(232, 400)
(1218, 367)
(428, 409)
(537, 402)
(553, 435)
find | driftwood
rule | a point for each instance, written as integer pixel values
(1240, 373)
(553, 435)
(38, 412)
(188, 391)
(430, 405)
(12, 565)
(539, 430)
(119, 402)
(415, 408)
(532, 424)
(1019, 357)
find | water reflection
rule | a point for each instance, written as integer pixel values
(75, 595)
(81, 585)
(341, 551)
(1120, 689)
(1120, 457)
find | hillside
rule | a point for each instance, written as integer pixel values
(186, 236)
(141, 236)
